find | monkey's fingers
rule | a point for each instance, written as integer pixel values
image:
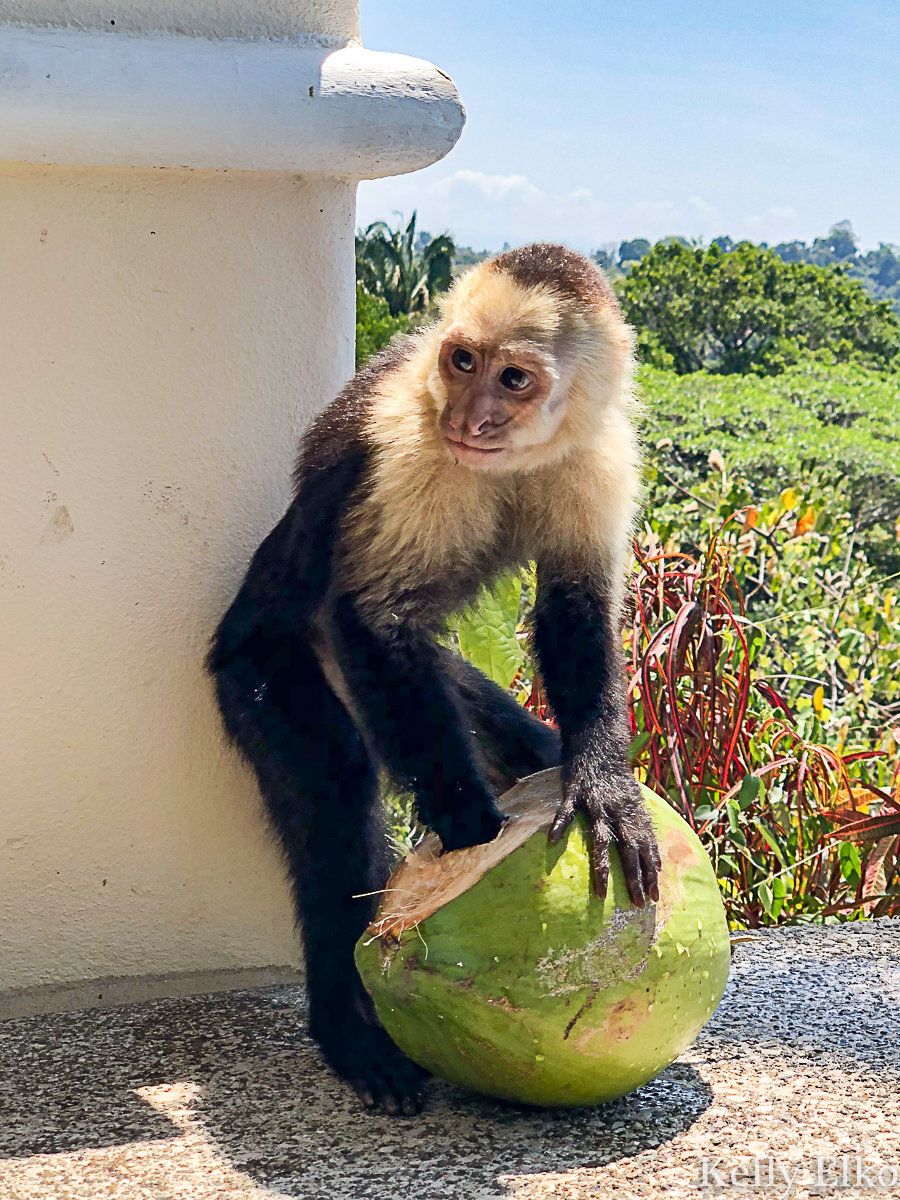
(563, 819)
(381, 1075)
(633, 870)
(383, 1094)
(651, 865)
(469, 827)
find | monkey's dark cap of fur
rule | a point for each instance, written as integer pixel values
(573, 276)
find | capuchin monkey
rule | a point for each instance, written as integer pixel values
(499, 435)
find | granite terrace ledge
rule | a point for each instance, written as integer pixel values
(115, 990)
(223, 1095)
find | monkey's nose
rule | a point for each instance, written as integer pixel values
(477, 428)
(486, 425)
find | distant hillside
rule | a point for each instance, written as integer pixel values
(878, 270)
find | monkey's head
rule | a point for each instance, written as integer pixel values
(530, 346)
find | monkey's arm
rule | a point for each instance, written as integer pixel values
(576, 640)
(414, 716)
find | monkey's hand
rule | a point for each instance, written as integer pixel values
(615, 810)
(472, 820)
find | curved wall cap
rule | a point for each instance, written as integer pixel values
(156, 100)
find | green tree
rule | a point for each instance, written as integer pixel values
(604, 259)
(749, 311)
(885, 266)
(633, 251)
(878, 270)
(390, 267)
(840, 243)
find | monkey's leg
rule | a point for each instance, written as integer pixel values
(321, 793)
(415, 716)
(512, 742)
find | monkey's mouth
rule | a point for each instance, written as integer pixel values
(471, 454)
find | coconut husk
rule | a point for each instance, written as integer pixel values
(426, 879)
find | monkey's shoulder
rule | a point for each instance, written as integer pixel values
(341, 430)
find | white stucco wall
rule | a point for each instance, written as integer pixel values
(150, 424)
(177, 301)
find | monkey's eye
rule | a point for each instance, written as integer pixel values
(463, 360)
(514, 380)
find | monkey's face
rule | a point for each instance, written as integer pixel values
(501, 402)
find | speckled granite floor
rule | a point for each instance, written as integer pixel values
(222, 1096)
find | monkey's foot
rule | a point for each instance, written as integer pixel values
(381, 1075)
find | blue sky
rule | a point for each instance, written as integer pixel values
(593, 122)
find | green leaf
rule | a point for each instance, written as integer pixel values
(756, 639)
(848, 857)
(487, 631)
(706, 813)
(774, 841)
(636, 745)
(749, 791)
(734, 818)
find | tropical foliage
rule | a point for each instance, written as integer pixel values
(374, 325)
(800, 815)
(829, 431)
(405, 271)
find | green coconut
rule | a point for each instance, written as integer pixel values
(500, 970)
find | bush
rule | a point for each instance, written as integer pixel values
(747, 310)
(374, 325)
(827, 628)
(767, 785)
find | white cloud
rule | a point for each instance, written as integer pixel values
(656, 219)
(503, 188)
(485, 210)
(581, 196)
(488, 210)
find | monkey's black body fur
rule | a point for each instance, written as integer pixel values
(440, 728)
(315, 771)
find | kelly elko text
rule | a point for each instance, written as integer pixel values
(819, 1176)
